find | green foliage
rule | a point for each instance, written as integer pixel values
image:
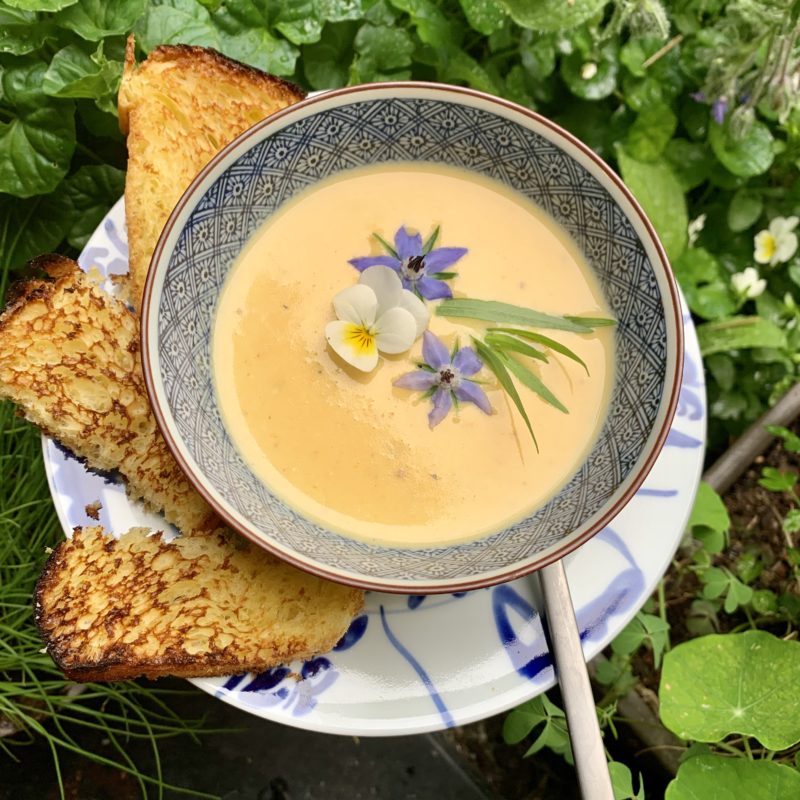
(716, 686)
(643, 629)
(707, 776)
(544, 718)
(622, 782)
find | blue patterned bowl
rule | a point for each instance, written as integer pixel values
(283, 155)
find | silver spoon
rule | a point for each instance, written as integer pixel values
(584, 730)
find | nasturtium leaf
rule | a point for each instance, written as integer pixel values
(177, 22)
(660, 193)
(40, 5)
(709, 511)
(738, 334)
(484, 16)
(91, 191)
(743, 683)
(21, 33)
(96, 19)
(386, 48)
(36, 145)
(74, 73)
(744, 210)
(340, 10)
(551, 15)
(651, 131)
(601, 84)
(33, 226)
(752, 154)
(706, 777)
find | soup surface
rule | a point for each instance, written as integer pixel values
(348, 449)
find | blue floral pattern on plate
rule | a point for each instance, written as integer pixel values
(481, 652)
(273, 170)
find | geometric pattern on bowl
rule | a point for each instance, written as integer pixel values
(440, 127)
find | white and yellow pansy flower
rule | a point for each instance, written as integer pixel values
(376, 315)
(747, 284)
(778, 243)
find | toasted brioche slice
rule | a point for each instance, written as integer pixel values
(179, 108)
(69, 358)
(205, 604)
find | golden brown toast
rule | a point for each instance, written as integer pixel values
(69, 358)
(205, 604)
(179, 108)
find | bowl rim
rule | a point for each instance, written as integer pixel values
(550, 555)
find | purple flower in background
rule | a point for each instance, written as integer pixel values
(421, 267)
(719, 108)
(445, 376)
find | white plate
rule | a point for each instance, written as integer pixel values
(411, 664)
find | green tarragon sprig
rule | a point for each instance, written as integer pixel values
(501, 347)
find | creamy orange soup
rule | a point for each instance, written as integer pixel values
(348, 449)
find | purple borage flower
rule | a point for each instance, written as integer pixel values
(417, 265)
(446, 377)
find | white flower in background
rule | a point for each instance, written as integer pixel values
(778, 243)
(747, 284)
(695, 226)
(588, 70)
(375, 315)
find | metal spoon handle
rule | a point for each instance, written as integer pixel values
(584, 730)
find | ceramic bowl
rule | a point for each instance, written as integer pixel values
(365, 125)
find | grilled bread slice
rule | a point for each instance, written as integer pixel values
(205, 604)
(179, 108)
(69, 358)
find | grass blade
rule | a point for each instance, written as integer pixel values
(533, 382)
(500, 341)
(546, 341)
(497, 312)
(431, 241)
(495, 364)
(389, 249)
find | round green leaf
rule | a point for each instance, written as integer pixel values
(340, 10)
(750, 155)
(661, 196)
(689, 161)
(40, 5)
(744, 210)
(600, 85)
(706, 777)
(551, 15)
(386, 48)
(91, 191)
(96, 19)
(651, 131)
(716, 686)
(484, 16)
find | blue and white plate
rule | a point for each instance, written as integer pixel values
(411, 664)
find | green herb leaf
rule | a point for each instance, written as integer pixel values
(443, 276)
(494, 311)
(484, 16)
(592, 322)
(382, 49)
(546, 341)
(96, 19)
(739, 333)
(709, 511)
(21, 32)
(622, 782)
(715, 686)
(504, 343)
(433, 27)
(495, 364)
(705, 284)
(661, 196)
(749, 155)
(430, 242)
(651, 131)
(389, 249)
(73, 73)
(340, 10)
(36, 146)
(777, 481)
(791, 522)
(327, 63)
(600, 85)
(706, 776)
(791, 441)
(91, 191)
(551, 15)
(744, 210)
(533, 382)
(177, 22)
